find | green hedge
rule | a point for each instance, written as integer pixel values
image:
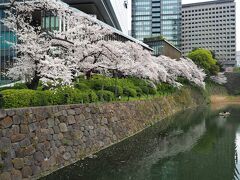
(25, 98)
(82, 86)
(17, 98)
(129, 92)
(165, 88)
(98, 88)
(115, 89)
(104, 95)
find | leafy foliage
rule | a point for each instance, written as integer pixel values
(15, 98)
(84, 91)
(129, 92)
(204, 59)
(104, 95)
(164, 88)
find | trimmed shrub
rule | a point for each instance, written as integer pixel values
(139, 91)
(104, 95)
(81, 97)
(92, 96)
(81, 86)
(165, 88)
(69, 95)
(97, 85)
(145, 89)
(119, 90)
(152, 91)
(41, 98)
(20, 86)
(129, 92)
(13, 98)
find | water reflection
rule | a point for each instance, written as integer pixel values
(194, 145)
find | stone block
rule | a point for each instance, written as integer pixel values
(87, 109)
(38, 156)
(66, 156)
(5, 144)
(18, 163)
(17, 119)
(27, 172)
(24, 129)
(5, 176)
(78, 111)
(17, 137)
(56, 129)
(63, 127)
(24, 143)
(16, 174)
(29, 160)
(80, 118)
(29, 150)
(50, 122)
(3, 113)
(57, 122)
(36, 170)
(32, 127)
(71, 112)
(7, 122)
(71, 120)
(43, 124)
(10, 112)
(15, 129)
(7, 161)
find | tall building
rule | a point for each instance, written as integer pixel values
(108, 13)
(155, 18)
(211, 25)
(6, 52)
(238, 58)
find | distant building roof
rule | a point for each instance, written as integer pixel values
(159, 38)
(207, 3)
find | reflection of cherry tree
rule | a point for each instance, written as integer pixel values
(79, 46)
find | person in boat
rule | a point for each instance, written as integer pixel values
(225, 113)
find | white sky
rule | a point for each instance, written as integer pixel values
(237, 16)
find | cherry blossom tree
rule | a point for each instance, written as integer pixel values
(51, 56)
(80, 46)
(220, 78)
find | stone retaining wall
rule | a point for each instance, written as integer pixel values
(37, 141)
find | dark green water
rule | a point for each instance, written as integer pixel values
(193, 145)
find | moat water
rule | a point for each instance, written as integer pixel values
(197, 144)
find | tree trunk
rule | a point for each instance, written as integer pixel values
(34, 83)
(89, 74)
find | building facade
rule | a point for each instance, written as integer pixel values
(238, 58)
(112, 12)
(105, 15)
(6, 52)
(155, 18)
(161, 46)
(211, 25)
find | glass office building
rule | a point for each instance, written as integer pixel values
(157, 17)
(7, 53)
